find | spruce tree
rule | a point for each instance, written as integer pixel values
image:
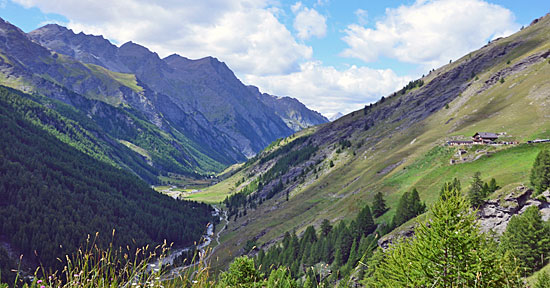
(449, 186)
(493, 185)
(365, 224)
(325, 227)
(540, 173)
(476, 194)
(379, 205)
(416, 207)
(281, 278)
(401, 212)
(447, 251)
(528, 239)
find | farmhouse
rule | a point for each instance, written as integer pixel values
(484, 137)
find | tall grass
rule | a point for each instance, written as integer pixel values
(92, 267)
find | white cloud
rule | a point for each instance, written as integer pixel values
(308, 22)
(328, 90)
(430, 32)
(245, 33)
(362, 16)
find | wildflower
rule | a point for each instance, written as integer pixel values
(39, 281)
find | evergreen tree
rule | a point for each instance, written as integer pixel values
(528, 239)
(353, 256)
(540, 173)
(493, 185)
(416, 207)
(281, 278)
(379, 205)
(447, 251)
(476, 193)
(325, 227)
(449, 186)
(365, 223)
(241, 273)
(409, 207)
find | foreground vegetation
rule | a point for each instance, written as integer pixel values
(448, 250)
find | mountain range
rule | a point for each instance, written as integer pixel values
(183, 116)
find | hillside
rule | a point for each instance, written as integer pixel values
(399, 143)
(53, 196)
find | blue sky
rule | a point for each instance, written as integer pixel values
(334, 56)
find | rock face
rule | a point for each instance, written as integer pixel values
(295, 114)
(494, 215)
(229, 117)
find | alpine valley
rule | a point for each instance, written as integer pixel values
(443, 183)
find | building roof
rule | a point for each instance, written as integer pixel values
(486, 135)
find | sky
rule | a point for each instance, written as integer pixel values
(333, 56)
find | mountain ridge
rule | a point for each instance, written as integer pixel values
(205, 125)
(179, 78)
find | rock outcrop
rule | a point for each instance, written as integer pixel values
(494, 215)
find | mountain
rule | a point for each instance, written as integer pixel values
(399, 143)
(205, 88)
(336, 116)
(180, 116)
(295, 114)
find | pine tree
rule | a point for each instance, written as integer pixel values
(493, 185)
(281, 278)
(379, 205)
(475, 194)
(241, 273)
(528, 239)
(447, 251)
(365, 223)
(325, 227)
(540, 173)
(449, 186)
(401, 212)
(352, 259)
(409, 207)
(416, 207)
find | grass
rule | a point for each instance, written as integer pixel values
(125, 79)
(136, 149)
(531, 280)
(92, 266)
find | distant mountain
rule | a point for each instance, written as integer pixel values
(295, 114)
(335, 117)
(177, 115)
(206, 88)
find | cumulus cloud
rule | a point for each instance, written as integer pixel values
(308, 22)
(429, 32)
(244, 33)
(329, 90)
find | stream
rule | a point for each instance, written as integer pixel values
(206, 240)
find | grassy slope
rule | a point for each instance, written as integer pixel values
(519, 106)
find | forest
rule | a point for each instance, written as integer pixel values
(53, 196)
